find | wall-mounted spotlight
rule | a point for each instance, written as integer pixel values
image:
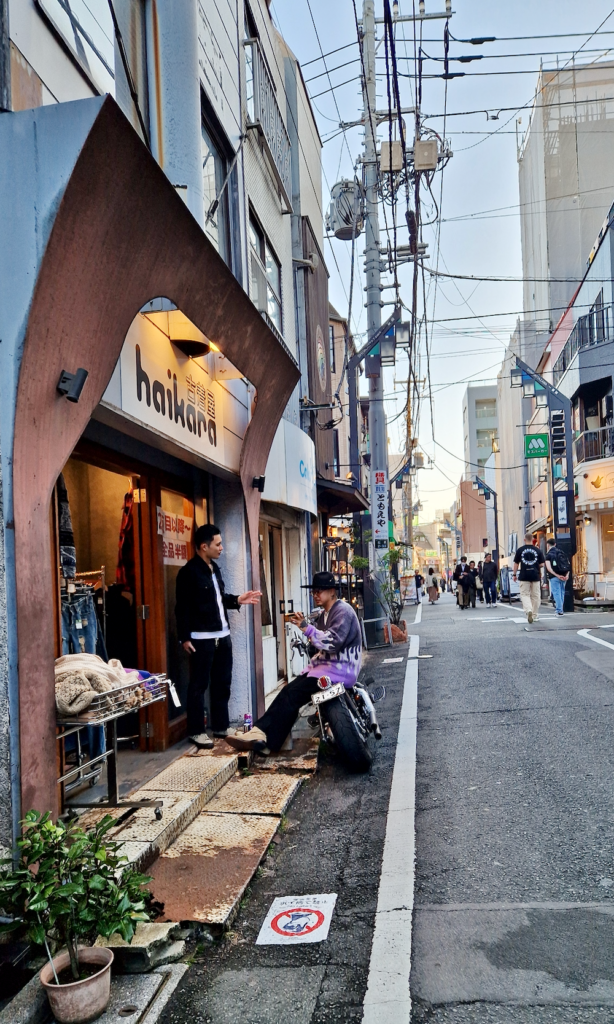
(258, 483)
(71, 384)
(587, 520)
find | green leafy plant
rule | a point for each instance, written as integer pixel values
(390, 593)
(70, 885)
(359, 563)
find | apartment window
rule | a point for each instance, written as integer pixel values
(336, 466)
(485, 408)
(265, 276)
(331, 347)
(215, 169)
(485, 436)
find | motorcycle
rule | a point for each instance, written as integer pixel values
(345, 716)
(347, 720)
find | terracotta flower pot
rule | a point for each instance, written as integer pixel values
(80, 1001)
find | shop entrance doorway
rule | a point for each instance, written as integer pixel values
(128, 529)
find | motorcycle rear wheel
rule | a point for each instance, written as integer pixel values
(350, 738)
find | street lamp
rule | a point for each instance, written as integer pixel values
(516, 377)
(487, 491)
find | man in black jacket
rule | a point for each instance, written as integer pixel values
(489, 579)
(202, 625)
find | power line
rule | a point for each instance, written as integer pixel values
(515, 280)
(330, 53)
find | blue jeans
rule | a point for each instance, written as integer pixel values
(79, 636)
(490, 592)
(557, 590)
(79, 626)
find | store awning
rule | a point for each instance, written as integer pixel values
(337, 498)
(593, 506)
(538, 524)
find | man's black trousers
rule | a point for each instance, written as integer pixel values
(281, 716)
(210, 665)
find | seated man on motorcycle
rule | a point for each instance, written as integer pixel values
(337, 642)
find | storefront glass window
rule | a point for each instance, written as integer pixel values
(607, 542)
(177, 549)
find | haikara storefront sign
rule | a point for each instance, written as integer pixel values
(176, 533)
(156, 385)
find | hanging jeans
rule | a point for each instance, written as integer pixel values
(80, 636)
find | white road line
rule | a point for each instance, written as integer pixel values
(418, 618)
(596, 639)
(387, 1000)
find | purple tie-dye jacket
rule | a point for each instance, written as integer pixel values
(338, 643)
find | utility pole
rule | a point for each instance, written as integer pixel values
(378, 490)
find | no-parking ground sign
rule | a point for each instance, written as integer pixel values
(294, 919)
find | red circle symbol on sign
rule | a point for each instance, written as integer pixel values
(299, 921)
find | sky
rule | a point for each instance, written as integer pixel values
(477, 192)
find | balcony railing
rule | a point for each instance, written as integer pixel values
(594, 444)
(592, 329)
(264, 114)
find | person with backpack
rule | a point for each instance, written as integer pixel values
(558, 569)
(529, 560)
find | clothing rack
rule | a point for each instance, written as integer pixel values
(107, 709)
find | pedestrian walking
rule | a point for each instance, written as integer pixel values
(419, 582)
(558, 569)
(529, 560)
(461, 575)
(489, 581)
(204, 633)
(473, 575)
(479, 586)
(432, 586)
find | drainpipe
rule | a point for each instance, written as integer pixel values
(5, 57)
(174, 97)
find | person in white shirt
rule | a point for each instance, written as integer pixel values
(204, 632)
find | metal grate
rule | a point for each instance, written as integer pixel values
(210, 834)
(191, 774)
(256, 794)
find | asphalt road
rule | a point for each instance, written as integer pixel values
(514, 894)
(333, 842)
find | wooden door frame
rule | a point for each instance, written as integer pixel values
(157, 733)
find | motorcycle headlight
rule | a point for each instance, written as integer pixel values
(324, 682)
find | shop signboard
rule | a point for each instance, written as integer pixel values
(536, 446)
(158, 386)
(176, 533)
(300, 469)
(380, 527)
(290, 477)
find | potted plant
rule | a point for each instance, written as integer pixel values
(68, 887)
(390, 594)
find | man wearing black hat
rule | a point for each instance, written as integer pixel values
(335, 635)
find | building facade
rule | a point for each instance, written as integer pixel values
(156, 242)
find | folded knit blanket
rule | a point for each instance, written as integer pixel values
(79, 677)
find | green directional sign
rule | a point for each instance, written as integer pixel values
(536, 446)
